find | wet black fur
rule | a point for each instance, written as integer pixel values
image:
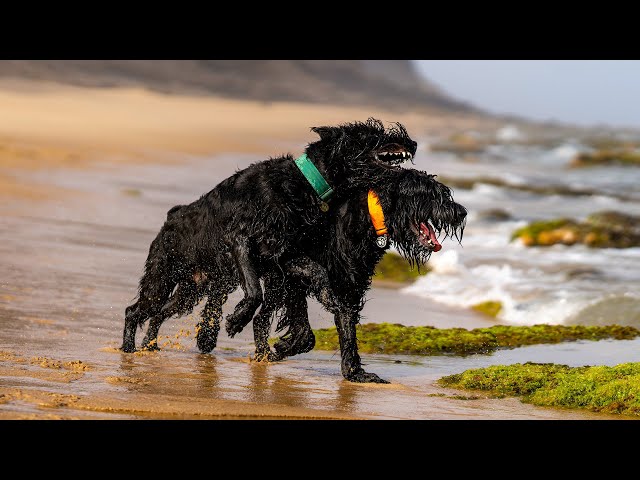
(338, 273)
(337, 268)
(253, 222)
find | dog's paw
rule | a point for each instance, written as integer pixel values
(365, 377)
(305, 345)
(128, 348)
(282, 347)
(275, 357)
(290, 344)
(207, 335)
(205, 342)
(151, 347)
(233, 325)
(263, 356)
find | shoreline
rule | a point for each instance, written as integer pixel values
(51, 126)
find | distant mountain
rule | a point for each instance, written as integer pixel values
(392, 84)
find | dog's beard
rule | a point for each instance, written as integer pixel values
(418, 227)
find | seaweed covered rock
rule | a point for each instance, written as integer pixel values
(607, 229)
(394, 338)
(394, 268)
(600, 388)
(397, 339)
(617, 156)
(491, 308)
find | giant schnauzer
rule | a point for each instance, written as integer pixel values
(254, 222)
(337, 267)
(416, 208)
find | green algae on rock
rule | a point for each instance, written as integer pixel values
(490, 308)
(606, 229)
(387, 338)
(398, 339)
(616, 156)
(394, 268)
(599, 388)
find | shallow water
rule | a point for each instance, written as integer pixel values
(68, 269)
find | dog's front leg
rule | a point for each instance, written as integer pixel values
(250, 282)
(304, 275)
(352, 370)
(299, 337)
(315, 278)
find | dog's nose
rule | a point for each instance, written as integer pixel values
(415, 146)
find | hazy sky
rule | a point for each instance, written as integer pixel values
(586, 92)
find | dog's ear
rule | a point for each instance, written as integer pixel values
(325, 133)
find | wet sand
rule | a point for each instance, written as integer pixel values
(74, 234)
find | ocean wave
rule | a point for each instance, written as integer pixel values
(529, 294)
(564, 152)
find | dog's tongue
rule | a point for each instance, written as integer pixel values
(428, 231)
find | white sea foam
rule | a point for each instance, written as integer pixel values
(509, 133)
(535, 284)
(537, 290)
(564, 152)
(512, 178)
(452, 283)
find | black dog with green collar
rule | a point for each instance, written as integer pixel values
(256, 221)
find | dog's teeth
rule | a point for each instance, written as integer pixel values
(403, 154)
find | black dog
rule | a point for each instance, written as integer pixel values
(337, 268)
(417, 208)
(254, 222)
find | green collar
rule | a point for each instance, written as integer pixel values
(314, 177)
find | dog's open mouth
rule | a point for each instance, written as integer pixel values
(393, 155)
(427, 236)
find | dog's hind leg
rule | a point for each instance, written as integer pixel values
(155, 288)
(136, 315)
(183, 300)
(273, 294)
(133, 317)
(209, 326)
(250, 282)
(150, 341)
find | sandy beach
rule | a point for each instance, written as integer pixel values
(86, 178)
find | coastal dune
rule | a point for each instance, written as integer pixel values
(124, 123)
